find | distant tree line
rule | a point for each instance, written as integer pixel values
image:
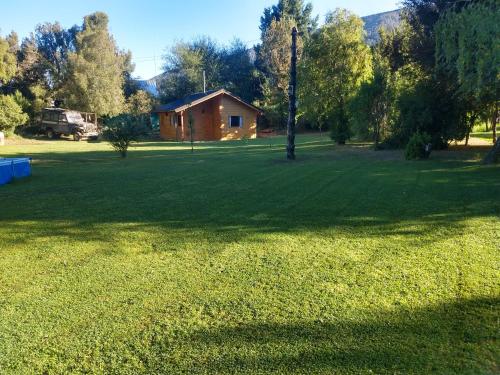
(82, 67)
(435, 75)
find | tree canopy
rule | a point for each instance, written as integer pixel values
(297, 10)
(7, 62)
(95, 81)
(336, 62)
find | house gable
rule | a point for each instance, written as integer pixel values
(196, 99)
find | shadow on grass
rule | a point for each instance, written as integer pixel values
(454, 338)
(186, 197)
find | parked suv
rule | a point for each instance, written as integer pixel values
(57, 121)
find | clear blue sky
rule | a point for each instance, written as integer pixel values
(147, 27)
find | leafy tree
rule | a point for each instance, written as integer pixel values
(13, 40)
(95, 79)
(300, 13)
(422, 16)
(139, 103)
(11, 114)
(120, 131)
(372, 106)
(336, 62)
(7, 62)
(467, 49)
(54, 44)
(275, 54)
(394, 46)
(31, 66)
(239, 74)
(427, 105)
(184, 66)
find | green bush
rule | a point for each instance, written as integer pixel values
(11, 114)
(419, 146)
(122, 130)
(340, 130)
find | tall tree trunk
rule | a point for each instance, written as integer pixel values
(470, 128)
(292, 94)
(494, 121)
(494, 155)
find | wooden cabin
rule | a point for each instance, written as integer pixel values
(218, 116)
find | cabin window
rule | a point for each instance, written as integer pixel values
(173, 120)
(235, 121)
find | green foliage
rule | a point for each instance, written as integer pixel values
(120, 131)
(239, 74)
(467, 50)
(422, 16)
(32, 71)
(371, 108)
(171, 264)
(11, 114)
(467, 47)
(419, 146)
(340, 127)
(336, 62)
(427, 105)
(95, 81)
(296, 10)
(54, 44)
(139, 103)
(184, 66)
(39, 98)
(228, 67)
(7, 62)
(23, 102)
(275, 56)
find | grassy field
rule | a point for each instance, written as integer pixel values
(487, 136)
(231, 260)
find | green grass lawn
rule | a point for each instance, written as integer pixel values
(231, 260)
(487, 136)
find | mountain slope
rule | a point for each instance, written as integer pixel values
(389, 20)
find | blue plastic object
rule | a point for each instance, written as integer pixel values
(14, 168)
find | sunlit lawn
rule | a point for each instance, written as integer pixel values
(231, 260)
(487, 136)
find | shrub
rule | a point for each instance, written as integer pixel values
(122, 130)
(419, 146)
(340, 131)
(11, 114)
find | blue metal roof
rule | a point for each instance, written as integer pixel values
(172, 106)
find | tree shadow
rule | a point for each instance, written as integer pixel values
(453, 338)
(183, 197)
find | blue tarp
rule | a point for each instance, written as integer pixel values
(14, 168)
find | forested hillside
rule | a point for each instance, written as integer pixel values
(388, 20)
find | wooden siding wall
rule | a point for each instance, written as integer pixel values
(167, 130)
(232, 107)
(204, 125)
(211, 120)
